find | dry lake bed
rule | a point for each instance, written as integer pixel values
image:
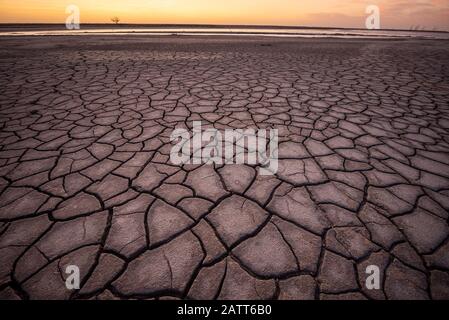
(86, 178)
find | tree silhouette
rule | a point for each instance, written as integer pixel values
(116, 20)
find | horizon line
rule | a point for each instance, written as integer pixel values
(263, 26)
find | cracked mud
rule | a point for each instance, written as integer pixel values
(85, 176)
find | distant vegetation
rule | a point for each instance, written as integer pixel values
(116, 20)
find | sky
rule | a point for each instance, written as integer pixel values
(397, 14)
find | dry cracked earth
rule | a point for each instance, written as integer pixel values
(86, 180)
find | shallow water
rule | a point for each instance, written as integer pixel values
(278, 32)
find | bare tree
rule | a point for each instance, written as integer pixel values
(116, 20)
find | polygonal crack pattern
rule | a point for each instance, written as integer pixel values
(85, 175)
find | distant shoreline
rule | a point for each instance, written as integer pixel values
(59, 26)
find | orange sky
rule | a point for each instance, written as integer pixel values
(403, 14)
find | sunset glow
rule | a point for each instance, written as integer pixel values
(428, 14)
